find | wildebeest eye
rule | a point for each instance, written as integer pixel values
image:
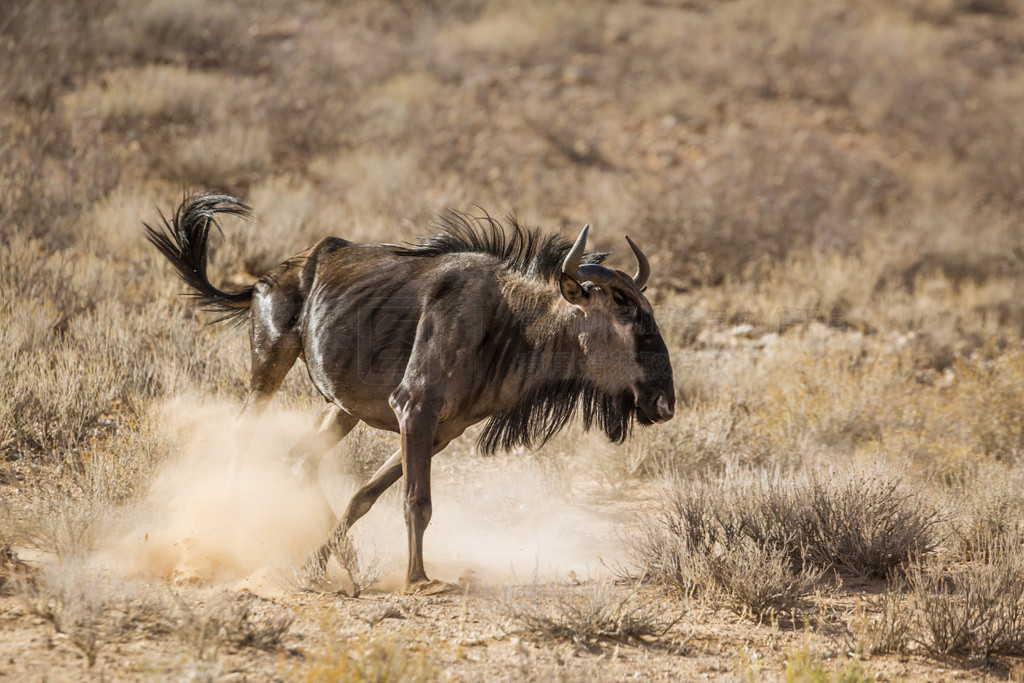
(625, 308)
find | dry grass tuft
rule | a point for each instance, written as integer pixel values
(365, 658)
(804, 665)
(992, 396)
(975, 609)
(227, 158)
(226, 621)
(885, 624)
(91, 494)
(757, 580)
(703, 439)
(78, 602)
(147, 99)
(867, 524)
(362, 574)
(596, 613)
(989, 507)
(763, 539)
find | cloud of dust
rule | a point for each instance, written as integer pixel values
(226, 507)
(497, 520)
(508, 519)
(228, 511)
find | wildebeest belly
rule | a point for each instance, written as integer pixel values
(357, 337)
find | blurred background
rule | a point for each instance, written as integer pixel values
(793, 168)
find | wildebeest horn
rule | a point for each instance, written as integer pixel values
(591, 272)
(643, 266)
(571, 264)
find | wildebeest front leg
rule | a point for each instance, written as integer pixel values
(361, 502)
(418, 421)
(417, 411)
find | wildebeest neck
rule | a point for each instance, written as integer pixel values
(542, 372)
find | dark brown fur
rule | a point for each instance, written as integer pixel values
(482, 321)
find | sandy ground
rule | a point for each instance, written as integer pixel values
(217, 543)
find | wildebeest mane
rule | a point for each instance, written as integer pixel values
(543, 412)
(524, 250)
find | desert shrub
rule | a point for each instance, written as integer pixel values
(226, 621)
(991, 397)
(58, 519)
(162, 31)
(719, 539)
(763, 538)
(989, 510)
(758, 579)
(975, 609)
(361, 570)
(763, 198)
(244, 628)
(867, 523)
(885, 625)
(703, 439)
(79, 603)
(595, 613)
(970, 604)
(44, 45)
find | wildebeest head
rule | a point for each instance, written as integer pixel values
(624, 352)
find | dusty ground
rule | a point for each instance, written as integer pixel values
(169, 623)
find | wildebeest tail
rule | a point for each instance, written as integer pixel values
(183, 240)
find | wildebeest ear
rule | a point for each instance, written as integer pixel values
(572, 291)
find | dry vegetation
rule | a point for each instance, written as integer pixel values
(832, 195)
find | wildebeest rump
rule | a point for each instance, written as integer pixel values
(482, 321)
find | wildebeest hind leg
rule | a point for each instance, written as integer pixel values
(338, 541)
(274, 346)
(304, 457)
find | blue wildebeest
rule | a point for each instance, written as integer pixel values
(482, 321)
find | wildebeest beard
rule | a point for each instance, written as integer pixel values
(544, 411)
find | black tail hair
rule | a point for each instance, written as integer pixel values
(183, 240)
